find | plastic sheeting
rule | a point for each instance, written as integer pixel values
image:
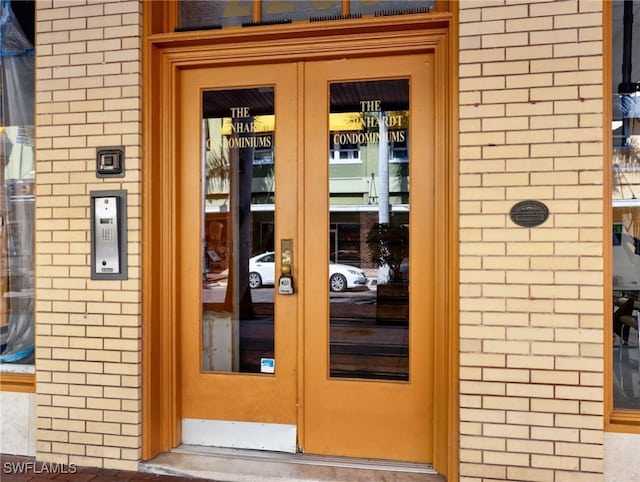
(17, 200)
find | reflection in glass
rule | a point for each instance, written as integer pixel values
(625, 136)
(626, 306)
(238, 228)
(17, 193)
(369, 229)
(368, 7)
(278, 10)
(203, 14)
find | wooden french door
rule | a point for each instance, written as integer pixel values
(237, 347)
(327, 167)
(367, 371)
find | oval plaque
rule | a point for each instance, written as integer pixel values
(529, 213)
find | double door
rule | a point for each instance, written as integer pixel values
(305, 268)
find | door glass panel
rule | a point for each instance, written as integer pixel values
(364, 7)
(279, 10)
(369, 229)
(625, 160)
(238, 230)
(202, 14)
(206, 14)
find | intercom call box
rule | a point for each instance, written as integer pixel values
(108, 236)
(106, 226)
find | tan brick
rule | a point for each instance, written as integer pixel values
(553, 9)
(68, 401)
(467, 15)
(507, 347)
(580, 393)
(525, 389)
(121, 417)
(505, 123)
(541, 277)
(493, 110)
(504, 96)
(486, 443)
(109, 452)
(483, 304)
(506, 68)
(504, 12)
(473, 401)
(506, 262)
(483, 471)
(131, 454)
(471, 428)
(554, 320)
(482, 359)
(489, 388)
(529, 109)
(525, 361)
(85, 391)
(529, 52)
(529, 24)
(507, 458)
(579, 450)
(592, 467)
(483, 220)
(471, 456)
(529, 474)
(482, 138)
(71, 378)
(483, 166)
(495, 290)
(529, 333)
(68, 425)
(122, 441)
(104, 355)
(539, 136)
(555, 434)
(551, 348)
(510, 179)
(505, 403)
(122, 393)
(122, 345)
(592, 379)
(549, 461)
(531, 446)
(557, 37)
(554, 292)
(100, 404)
(506, 430)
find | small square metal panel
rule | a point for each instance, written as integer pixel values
(110, 161)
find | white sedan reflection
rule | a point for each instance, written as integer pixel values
(341, 276)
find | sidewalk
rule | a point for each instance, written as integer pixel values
(206, 464)
(22, 469)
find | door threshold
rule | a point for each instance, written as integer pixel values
(238, 465)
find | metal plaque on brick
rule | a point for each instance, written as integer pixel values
(529, 213)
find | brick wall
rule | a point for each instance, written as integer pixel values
(88, 332)
(531, 404)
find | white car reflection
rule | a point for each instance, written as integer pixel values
(341, 276)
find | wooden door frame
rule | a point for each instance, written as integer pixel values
(163, 55)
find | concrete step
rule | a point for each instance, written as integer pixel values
(234, 465)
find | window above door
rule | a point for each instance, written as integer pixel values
(208, 14)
